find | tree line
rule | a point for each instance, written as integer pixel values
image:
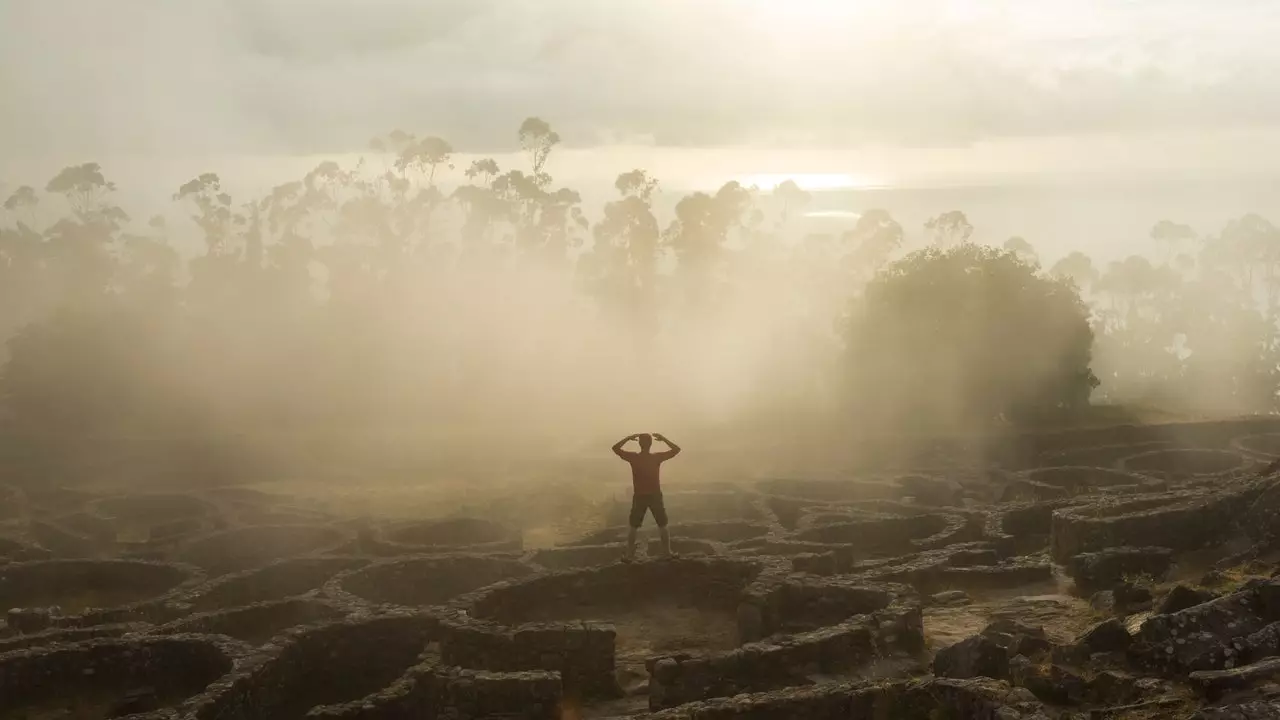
(405, 286)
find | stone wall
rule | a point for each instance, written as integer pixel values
(583, 653)
(424, 580)
(429, 691)
(251, 547)
(276, 581)
(1179, 521)
(178, 668)
(977, 699)
(258, 622)
(72, 593)
(852, 624)
(329, 664)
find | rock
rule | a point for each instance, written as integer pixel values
(1053, 683)
(1244, 711)
(1213, 578)
(928, 490)
(1182, 597)
(1214, 683)
(951, 598)
(1262, 644)
(1130, 598)
(1018, 638)
(1113, 688)
(1103, 601)
(977, 656)
(1105, 637)
(1104, 569)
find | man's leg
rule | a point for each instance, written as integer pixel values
(660, 517)
(638, 507)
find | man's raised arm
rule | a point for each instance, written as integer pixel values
(675, 449)
(617, 447)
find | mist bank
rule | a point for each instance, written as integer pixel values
(411, 293)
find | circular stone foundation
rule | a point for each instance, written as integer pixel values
(256, 624)
(151, 509)
(1264, 445)
(1185, 462)
(452, 533)
(17, 550)
(890, 535)
(831, 490)
(1178, 521)
(1108, 456)
(113, 677)
(249, 547)
(685, 605)
(277, 581)
(77, 586)
(329, 664)
(424, 581)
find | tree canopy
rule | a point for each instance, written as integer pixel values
(968, 334)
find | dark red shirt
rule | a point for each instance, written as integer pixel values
(644, 471)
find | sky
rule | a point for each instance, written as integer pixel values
(888, 91)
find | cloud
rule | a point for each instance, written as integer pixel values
(156, 76)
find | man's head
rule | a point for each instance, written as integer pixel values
(645, 440)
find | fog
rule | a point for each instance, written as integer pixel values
(333, 234)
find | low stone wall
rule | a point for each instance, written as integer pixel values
(1105, 456)
(830, 491)
(1183, 462)
(577, 556)
(62, 636)
(251, 547)
(61, 541)
(894, 534)
(423, 580)
(448, 535)
(76, 593)
(431, 691)
(13, 550)
(151, 509)
(257, 623)
(698, 581)
(1264, 446)
(582, 653)
(179, 669)
(276, 581)
(330, 664)
(1179, 521)
(977, 699)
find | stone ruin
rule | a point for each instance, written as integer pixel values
(1093, 577)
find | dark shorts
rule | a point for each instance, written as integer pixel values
(650, 502)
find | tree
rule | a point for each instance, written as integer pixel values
(949, 229)
(953, 338)
(1019, 246)
(1078, 268)
(1172, 237)
(874, 238)
(537, 138)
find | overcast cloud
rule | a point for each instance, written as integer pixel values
(159, 76)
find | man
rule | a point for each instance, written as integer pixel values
(647, 496)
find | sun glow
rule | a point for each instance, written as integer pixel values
(812, 182)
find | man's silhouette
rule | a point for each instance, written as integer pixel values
(648, 490)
